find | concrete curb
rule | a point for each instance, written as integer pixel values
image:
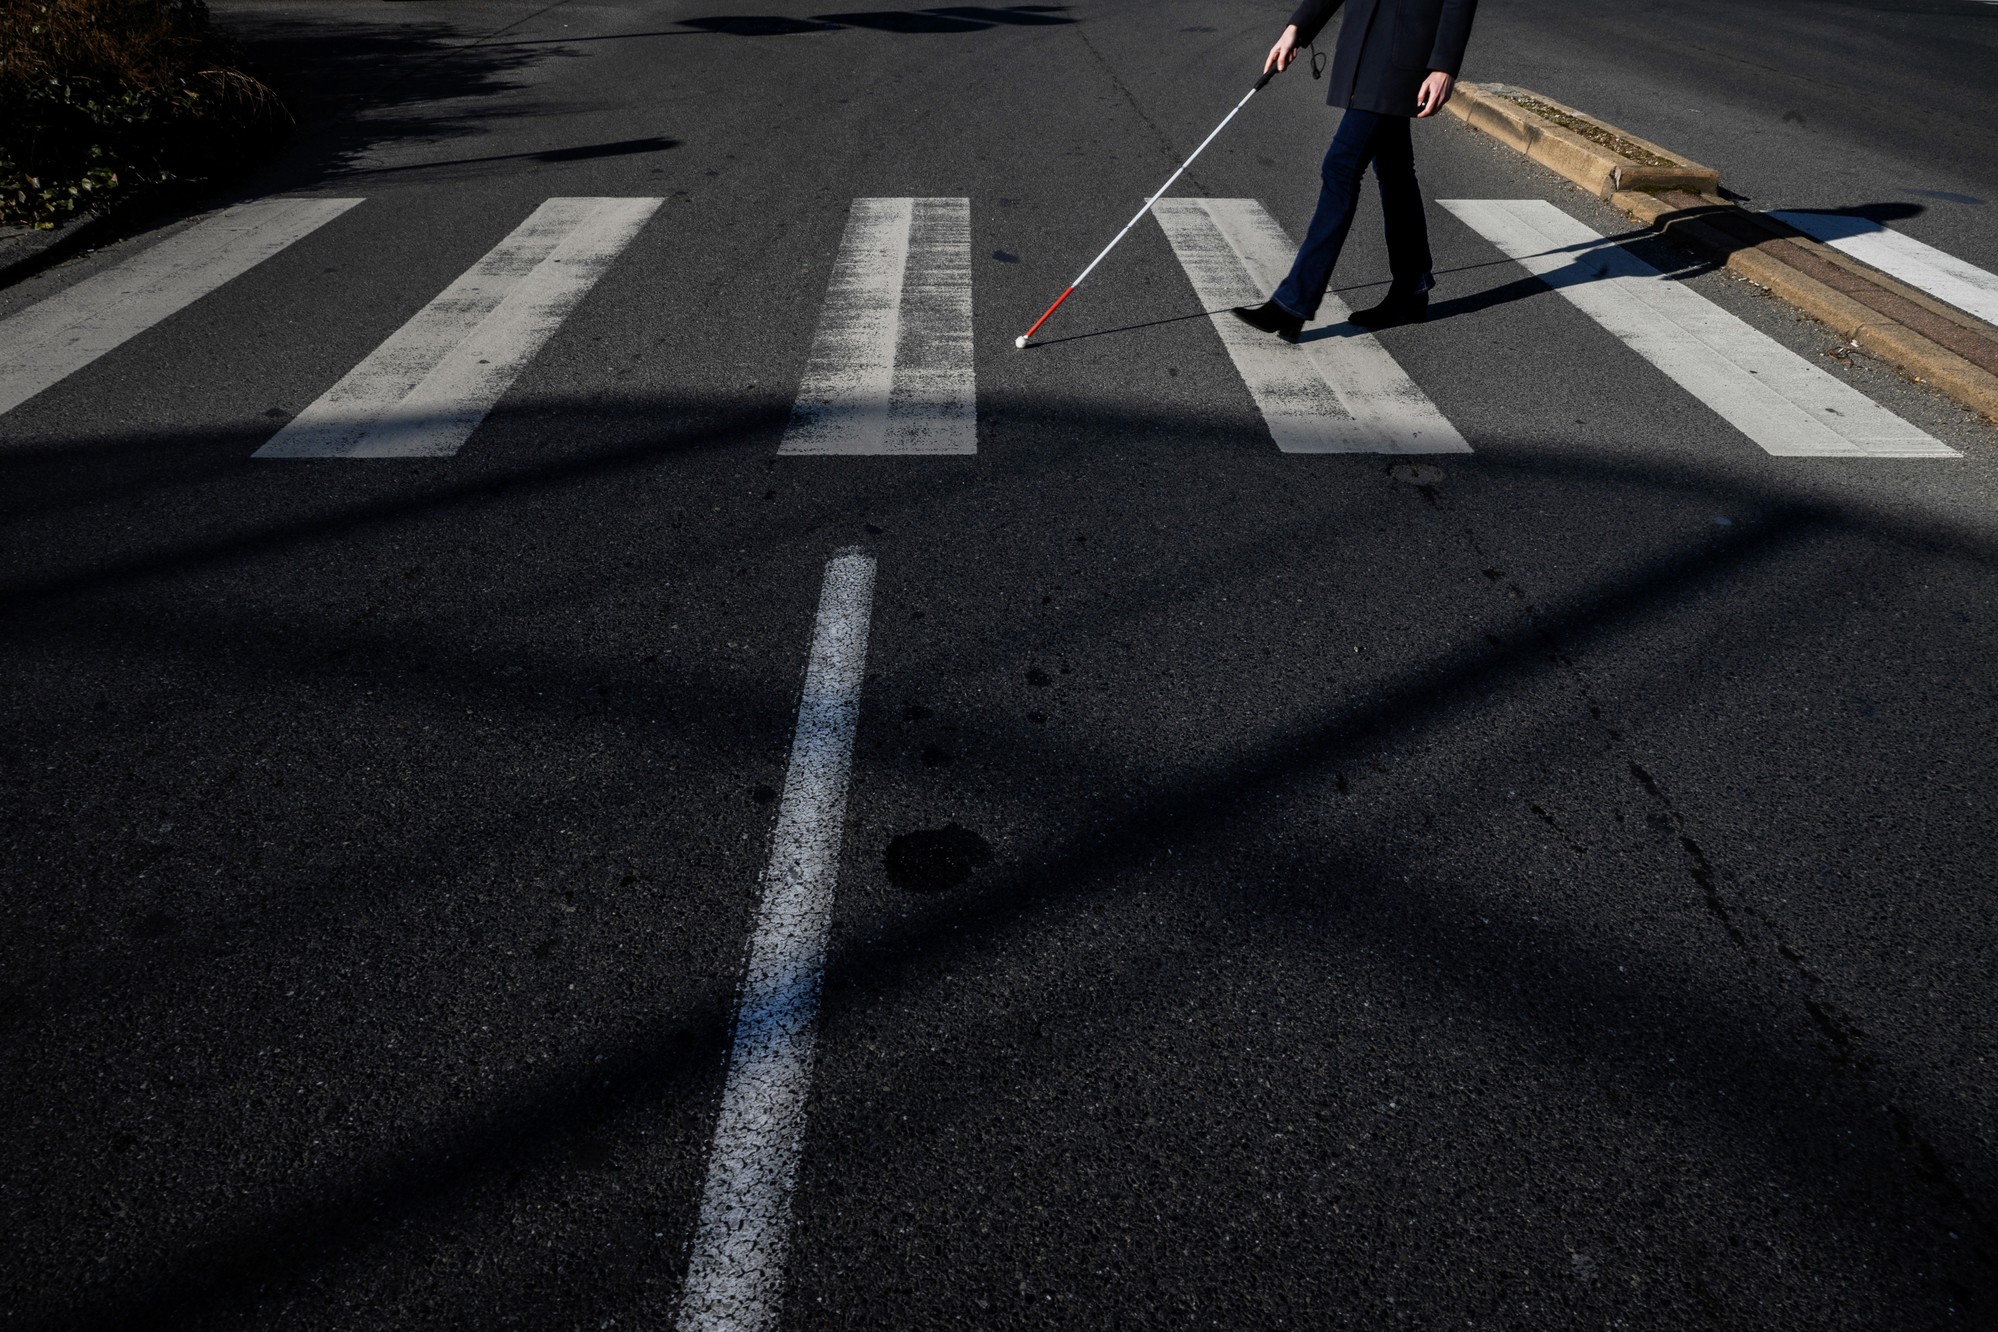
(1597, 168)
(26, 253)
(1929, 341)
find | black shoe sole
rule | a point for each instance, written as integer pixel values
(1382, 316)
(1248, 314)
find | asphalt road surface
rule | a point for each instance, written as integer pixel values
(1540, 883)
(1881, 106)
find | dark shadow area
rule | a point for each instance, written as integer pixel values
(585, 153)
(951, 19)
(1025, 16)
(1123, 328)
(713, 426)
(1718, 232)
(1882, 213)
(1715, 231)
(599, 37)
(906, 22)
(355, 89)
(1532, 970)
(1550, 977)
(1519, 289)
(1950, 196)
(1975, 9)
(759, 25)
(590, 152)
(1668, 260)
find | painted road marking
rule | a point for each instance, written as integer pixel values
(735, 1280)
(1943, 276)
(890, 368)
(1790, 407)
(55, 338)
(1336, 390)
(422, 393)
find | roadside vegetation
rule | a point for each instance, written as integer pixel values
(103, 99)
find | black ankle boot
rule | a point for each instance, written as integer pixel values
(1405, 307)
(1271, 318)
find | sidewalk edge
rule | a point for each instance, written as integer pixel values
(1915, 354)
(1687, 207)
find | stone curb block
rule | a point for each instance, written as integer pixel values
(1929, 341)
(26, 253)
(1914, 353)
(1597, 169)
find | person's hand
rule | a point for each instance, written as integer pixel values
(1283, 52)
(1435, 91)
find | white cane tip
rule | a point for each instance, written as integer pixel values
(1021, 343)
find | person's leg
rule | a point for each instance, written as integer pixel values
(1401, 207)
(1345, 163)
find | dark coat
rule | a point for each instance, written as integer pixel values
(1388, 47)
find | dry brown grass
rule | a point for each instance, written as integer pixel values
(140, 44)
(98, 97)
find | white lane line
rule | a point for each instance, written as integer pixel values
(1335, 391)
(890, 369)
(1942, 275)
(422, 393)
(55, 338)
(735, 1280)
(1790, 407)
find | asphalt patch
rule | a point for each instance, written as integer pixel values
(932, 860)
(157, 925)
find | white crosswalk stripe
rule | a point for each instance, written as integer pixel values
(423, 392)
(1940, 274)
(890, 370)
(1774, 396)
(55, 338)
(1336, 390)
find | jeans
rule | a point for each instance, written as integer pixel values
(1364, 137)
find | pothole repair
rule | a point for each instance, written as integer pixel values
(932, 860)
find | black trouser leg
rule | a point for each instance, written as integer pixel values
(1401, 206)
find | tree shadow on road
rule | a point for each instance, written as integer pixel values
(906, 22)
(358, 89)
(423, 1166)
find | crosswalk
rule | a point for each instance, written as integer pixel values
(422, 393)
(891, 368)
(1790, 407)
(52, 340)
(1942, 275)
(1335, 390)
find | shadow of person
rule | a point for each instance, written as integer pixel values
(1881, 213)
(907, 21)
(758, 25)
(1831, 225)
(592, 151)
(947, 19)
(1025, 16)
